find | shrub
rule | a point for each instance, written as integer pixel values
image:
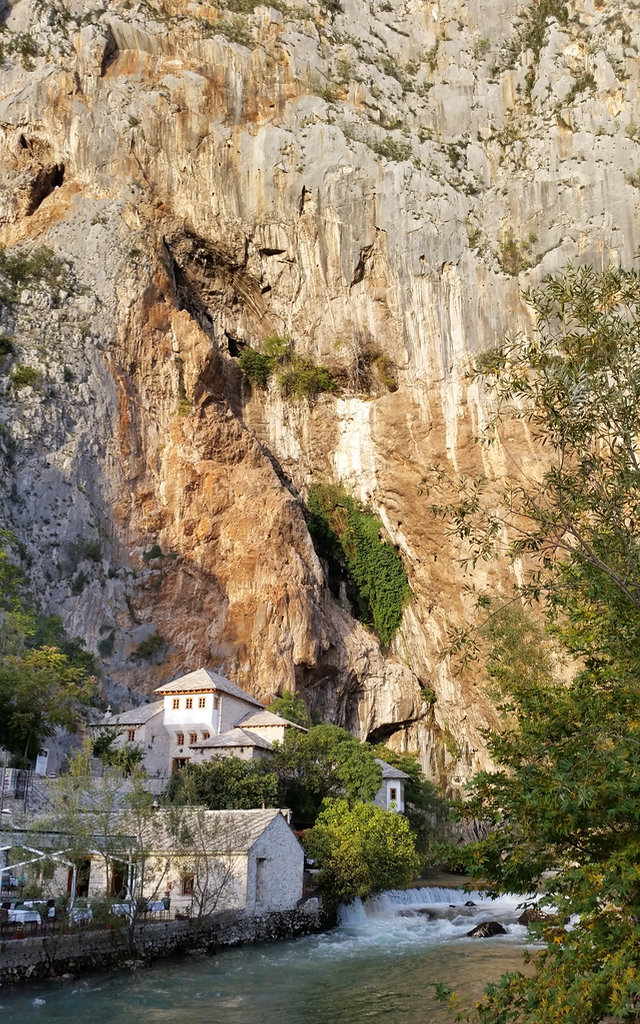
(348, 535)
(90, 549)
(149, 647)
(105, 646)
(154, 552)
(514, 255)
(23, 376)
(256, 366)
(302, 378)
(296, 376)
(40, 266)
(392, 149)
(7, 348)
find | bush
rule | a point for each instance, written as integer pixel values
(515, 256)
(348, 535)
(106, 645)
(23, 376)
(392, 149)
(38, 267)
(296, 376)
(155, 551)
(149, 647)
(361, 850)
(7, 348)
(302, 379)
(256, 366)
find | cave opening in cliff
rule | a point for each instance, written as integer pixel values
(47, 179)
(233, 345)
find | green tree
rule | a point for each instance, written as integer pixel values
(361, 850)
(324, 762)
(43, 676)
(125, 758)
(425, 809)
(565, 792)
(292, 707)
(225, 783)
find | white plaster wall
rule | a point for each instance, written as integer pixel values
(202, 718)
(383, 797)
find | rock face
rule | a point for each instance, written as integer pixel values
(376, 184)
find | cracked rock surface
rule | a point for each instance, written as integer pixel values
(376, 180)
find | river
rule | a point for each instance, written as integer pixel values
(375, 968)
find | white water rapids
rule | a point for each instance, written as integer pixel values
(378, 965)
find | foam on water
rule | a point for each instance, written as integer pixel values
(425, 917)
(369, 968)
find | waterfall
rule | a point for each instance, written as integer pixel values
(429, 915)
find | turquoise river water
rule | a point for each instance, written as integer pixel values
(375, 968)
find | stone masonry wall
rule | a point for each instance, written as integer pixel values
(54, 955)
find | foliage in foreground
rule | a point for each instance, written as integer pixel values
(361, 850)
(566, 792)
(348, 535)
(44, 680)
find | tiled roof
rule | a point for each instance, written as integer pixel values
(389, 772)
(134, 716)
(227, 831)
(205, 679)
(254, 718)
(233, 738)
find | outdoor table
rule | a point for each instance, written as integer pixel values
(24, 917)
(80, 915)
(122, 909)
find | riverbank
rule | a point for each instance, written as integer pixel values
(380, 964)
(85, 950)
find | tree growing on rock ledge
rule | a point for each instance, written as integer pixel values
(565, 795)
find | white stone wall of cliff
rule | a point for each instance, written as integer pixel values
(349, 182)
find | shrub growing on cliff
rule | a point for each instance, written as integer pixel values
(256, 366)
(23, 376)
(295, 375)
(348, 535)
(39, 267)
(149, 648)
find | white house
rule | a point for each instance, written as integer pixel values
(198, 716)
(203, 860)
(390, 796)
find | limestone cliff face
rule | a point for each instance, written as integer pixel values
(379, 179)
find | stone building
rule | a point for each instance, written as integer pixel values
(198, 716)
(202, 860)
(390, 796)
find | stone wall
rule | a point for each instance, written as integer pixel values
(83, 951)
